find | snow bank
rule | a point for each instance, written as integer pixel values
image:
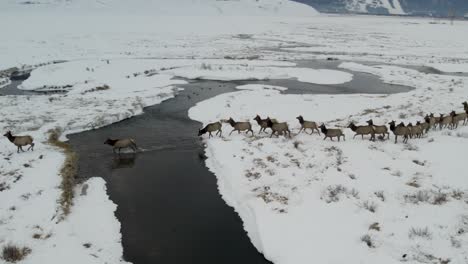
(250, 72)
(451, 67)
(29, 182)
(371, 201)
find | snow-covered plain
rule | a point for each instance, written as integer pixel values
(305, 198)
(279, 191)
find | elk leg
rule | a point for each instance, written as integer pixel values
(273, 132)
(232, 131)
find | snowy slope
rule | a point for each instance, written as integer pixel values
(392, 7)
(363, 6)
(166, 7)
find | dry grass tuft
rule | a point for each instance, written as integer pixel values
(13, 254)
(369, 206)
(68, 171)
(375, 226)
(420, 232)
(368, 240)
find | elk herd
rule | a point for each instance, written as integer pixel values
(450, 121)
(409, 131)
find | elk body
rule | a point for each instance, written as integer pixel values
(434, 120)
(383, 130)
(240, 126)
(445, 121)
(399, 130)
(331, 133)
(307, 125)
(278, 128)
(457, 118)
(216, 126)
(20, 141)
(362, 131)
(121, 144)
(263, 123)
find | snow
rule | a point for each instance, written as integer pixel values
(273, 185)
(250, 72)
(286, 214)
(451, 67)
(392, 6)
(165, 7)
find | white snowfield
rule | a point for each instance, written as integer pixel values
(122, 57)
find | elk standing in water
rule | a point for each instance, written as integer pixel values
(20, 141)
(400, 130)
(121, 144)
(331, 133)
(211, 128)
(307, 125)
(240, 126)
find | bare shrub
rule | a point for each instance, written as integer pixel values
(12, 253)
(420, 163)
(420, 232)
(440, 198)
(380, 195)
(457, 194)
(205, 66)
(455, 242)
(333, 193)
(368, 240)
(269, 196)
(414, 183)
(427, 196)
(375, 226)
(369, 206)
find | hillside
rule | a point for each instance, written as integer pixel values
(164, 7)
(393, 7)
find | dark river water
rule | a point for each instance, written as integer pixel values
(168, 201)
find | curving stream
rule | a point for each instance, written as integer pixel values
(168, 201)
